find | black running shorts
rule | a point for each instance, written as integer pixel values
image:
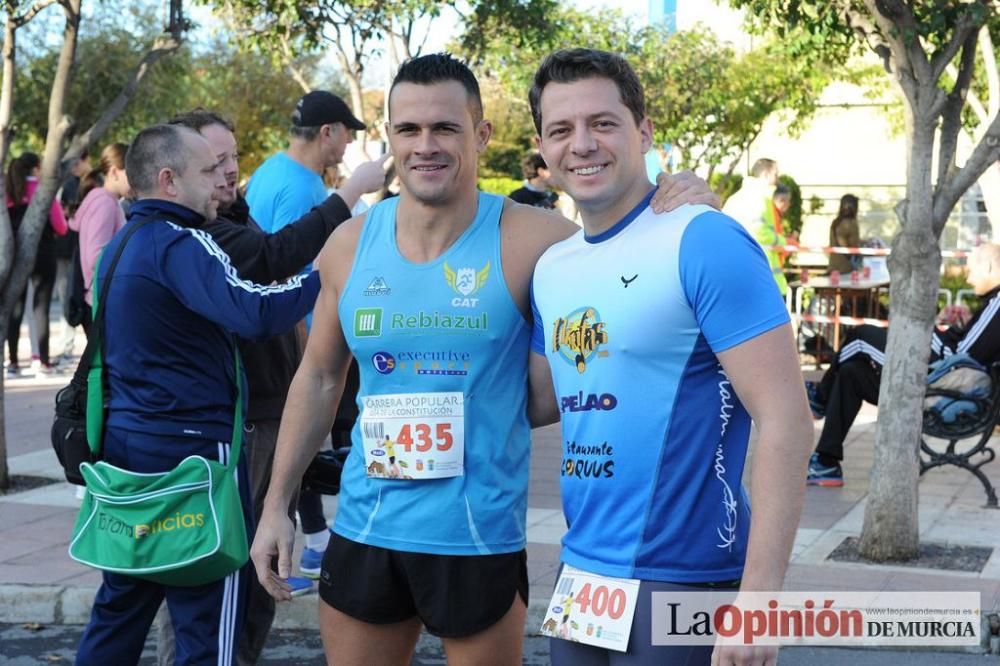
(453, 595)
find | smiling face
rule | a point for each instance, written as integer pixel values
(436, 140)
(223, 146)
(592, 144)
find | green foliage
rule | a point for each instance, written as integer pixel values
(711, 103)
(704, 99)
(499, 185)
(244, 87)
(815, 204)
(519, 23)
(954, 280)
(725, 184)
(791, 221)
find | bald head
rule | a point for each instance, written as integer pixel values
(984, 268)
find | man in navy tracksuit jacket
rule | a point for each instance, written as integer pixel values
(174, 305)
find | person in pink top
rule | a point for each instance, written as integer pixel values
(100, 215)
(22, 182)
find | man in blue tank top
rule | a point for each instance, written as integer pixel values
(429, 291)
(658, 337)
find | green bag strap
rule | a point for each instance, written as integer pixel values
(91, 363)
(236, 444)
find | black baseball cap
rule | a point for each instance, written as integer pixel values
(323, 108)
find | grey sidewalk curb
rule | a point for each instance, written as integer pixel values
(69, 604)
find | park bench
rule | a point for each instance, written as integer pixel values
(978, 423)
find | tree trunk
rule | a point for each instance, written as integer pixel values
(18, 255)
(6, 114)
(4, 470)
(891, 526)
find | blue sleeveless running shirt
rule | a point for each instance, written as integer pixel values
(654, 436)
(427, 337)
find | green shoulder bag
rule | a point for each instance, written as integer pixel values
(183, 528)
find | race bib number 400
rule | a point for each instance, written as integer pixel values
(414, 435)
(592, 609)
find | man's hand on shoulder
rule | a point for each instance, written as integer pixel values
(677, 189)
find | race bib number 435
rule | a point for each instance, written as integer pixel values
(414, 435)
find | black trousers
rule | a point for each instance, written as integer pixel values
(852, 379)
(43, 281)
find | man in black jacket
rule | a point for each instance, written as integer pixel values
(535, 191)
(270, 365)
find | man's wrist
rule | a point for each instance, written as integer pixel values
(350, 192)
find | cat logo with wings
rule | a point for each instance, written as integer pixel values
(466, 281)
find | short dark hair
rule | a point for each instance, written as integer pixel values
(438, 68)
(201, 117)
(571, 65)
(530, 164)
(154, 148)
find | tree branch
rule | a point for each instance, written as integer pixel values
(286, 50)
(899, 14)
(974, 102)
(162, 47)
(905, 74)
(986, 152)
(992, 76)
(951, 110)
(19, 21)
(869, 33)
(965, 29)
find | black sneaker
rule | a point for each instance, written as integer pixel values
(817, 406)
(821, 475)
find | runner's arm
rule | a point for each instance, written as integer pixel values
(309, 412)
(542, 406)
(265, 258)
(764, 372)
(199, 273)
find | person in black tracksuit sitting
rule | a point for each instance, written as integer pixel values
(854, 375)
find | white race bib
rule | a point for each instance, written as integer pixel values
(414, 435)
(592, 609)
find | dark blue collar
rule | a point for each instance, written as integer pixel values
(182, 215)
(620, 225)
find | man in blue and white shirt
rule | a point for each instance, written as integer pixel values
(658, 337)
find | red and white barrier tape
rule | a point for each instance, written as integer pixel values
(849, 321)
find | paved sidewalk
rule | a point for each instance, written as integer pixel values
(39, 583)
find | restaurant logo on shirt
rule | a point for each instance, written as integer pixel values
(579, 336)
(466, 281)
